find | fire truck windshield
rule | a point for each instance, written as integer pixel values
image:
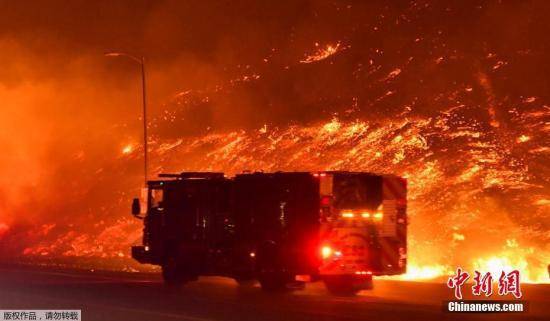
(156, 197)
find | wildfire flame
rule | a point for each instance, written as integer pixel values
(441, 189)
(128, 149)
(322, 53)
(471, 141)
(425, 272)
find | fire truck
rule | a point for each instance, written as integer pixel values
(279, 228)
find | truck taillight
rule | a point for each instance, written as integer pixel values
(325, 201)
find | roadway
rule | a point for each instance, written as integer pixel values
(141, 296)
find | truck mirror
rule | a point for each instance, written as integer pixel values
(136, 207)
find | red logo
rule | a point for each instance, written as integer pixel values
(458, 281)
(508, 283)
(482, 284)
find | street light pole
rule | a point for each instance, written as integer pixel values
(144, 96)
(140, 61)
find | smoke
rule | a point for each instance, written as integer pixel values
(45, 135)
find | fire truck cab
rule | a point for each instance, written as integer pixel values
(339, 227)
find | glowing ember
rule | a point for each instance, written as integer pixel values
(111, 241)
(333, 126)
(322, 53)
(523, 139)
(127, 149)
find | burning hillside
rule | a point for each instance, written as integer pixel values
(462, 112)
(467, 182)
(487, 193)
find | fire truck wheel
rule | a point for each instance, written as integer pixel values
(274, 281)
(347, 285)
(173, 273)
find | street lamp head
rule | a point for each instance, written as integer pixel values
(113, 54)
(124, 54)
(141, 61)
